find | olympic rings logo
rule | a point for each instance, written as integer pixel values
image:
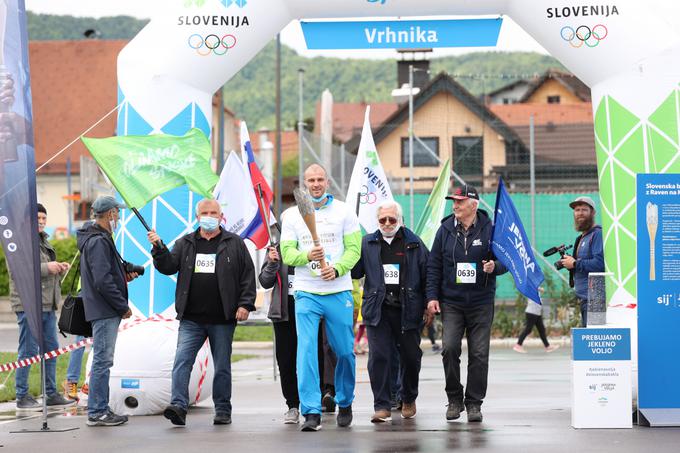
(366, 197)
(211, 44)
(584, 35)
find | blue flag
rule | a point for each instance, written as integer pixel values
(511, 246)
(18, 203)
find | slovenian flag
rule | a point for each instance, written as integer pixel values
(256, 230)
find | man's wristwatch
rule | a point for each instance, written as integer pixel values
(337, 274)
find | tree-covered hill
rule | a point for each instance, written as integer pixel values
(251, 92)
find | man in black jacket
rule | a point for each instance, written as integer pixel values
(215, 288)
(394, 262)
(105, 298)
(461, 284)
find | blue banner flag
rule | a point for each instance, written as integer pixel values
(18, 204)
(510, 245)
(402, 34)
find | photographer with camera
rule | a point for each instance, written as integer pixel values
(104, 278)
(588, 255)
(215, 288)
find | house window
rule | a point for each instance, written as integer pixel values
(468, 156)
(554, 99)
(422, 157)
(81, 209)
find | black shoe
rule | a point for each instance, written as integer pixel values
(474, 414)
(107, 419)
(453, 411)
(28, 403)
(176, 415)
(55, 401)
(328, 403)
(222, 419)
(312, 422)
(344, 418)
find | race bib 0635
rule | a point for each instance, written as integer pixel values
(205, 263)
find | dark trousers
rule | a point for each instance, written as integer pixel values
(381, 341)
(475, 323)
(286, 352)
(327, 362)
(584, 312)
(531, 321)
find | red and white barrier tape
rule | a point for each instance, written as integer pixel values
(56, 353)
(48, 355)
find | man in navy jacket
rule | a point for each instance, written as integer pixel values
(461, 284)
(588, 254)
(394, 262)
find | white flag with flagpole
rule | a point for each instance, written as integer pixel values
(234, 193)
(368, 186)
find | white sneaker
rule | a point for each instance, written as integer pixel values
(519, 348)
(291, 417)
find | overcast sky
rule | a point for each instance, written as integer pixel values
(512, 37)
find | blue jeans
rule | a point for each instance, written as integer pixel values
(75, 362)
(191, 337)
(336, 310)
(104, 334)
(28, 347)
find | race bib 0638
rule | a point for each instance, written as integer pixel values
(466, 272)
(391, 272)
(315, 267)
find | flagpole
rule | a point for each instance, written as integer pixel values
(141, 219)
(263, 214)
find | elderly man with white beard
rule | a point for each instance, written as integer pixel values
(394, 262)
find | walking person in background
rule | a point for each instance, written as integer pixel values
(534, 317)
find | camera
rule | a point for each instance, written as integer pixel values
(131, 267)
(562, 250)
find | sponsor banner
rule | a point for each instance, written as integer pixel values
(600, 344)
(402, 34)
(658, 277)
(601, 393)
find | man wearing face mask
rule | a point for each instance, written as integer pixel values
(323, 292)
(588, 255)
(394, 262)
(461, 284)
(105, 298)
(215, 289)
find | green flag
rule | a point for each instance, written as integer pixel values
(434, 208)
(141, 167)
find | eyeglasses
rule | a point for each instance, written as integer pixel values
(384, 220)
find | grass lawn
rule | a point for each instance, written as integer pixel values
(7, 393)
(253, 333)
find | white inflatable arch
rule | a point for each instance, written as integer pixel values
(167, 76)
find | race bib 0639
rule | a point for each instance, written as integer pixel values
(466, 272)
(205, 263)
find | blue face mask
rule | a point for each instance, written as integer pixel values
(208, 224)
(320, 199)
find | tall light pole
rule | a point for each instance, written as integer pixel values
(279, 164)
(301, 125)
(410, 142)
